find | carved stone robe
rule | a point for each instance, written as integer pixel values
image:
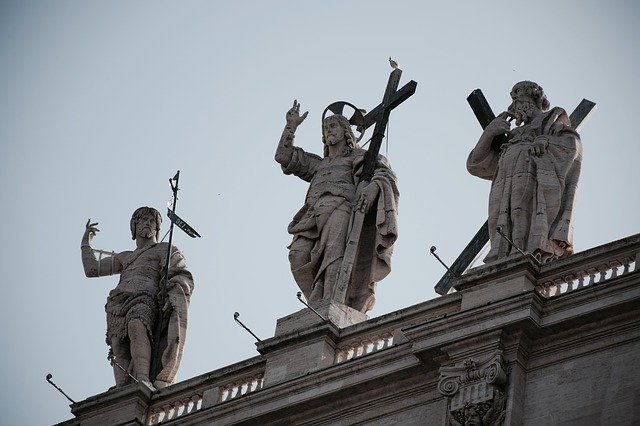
(320, 229)
(532, 197)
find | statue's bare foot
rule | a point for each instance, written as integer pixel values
(142, 379)
(159, 384)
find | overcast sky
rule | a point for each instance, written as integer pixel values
(101, 102)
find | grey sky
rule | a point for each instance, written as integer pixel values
(103, 101)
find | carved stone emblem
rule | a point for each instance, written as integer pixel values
(475, 391)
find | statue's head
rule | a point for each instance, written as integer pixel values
(145, 222)
(335, 130)
(471, 416)
(528, 99)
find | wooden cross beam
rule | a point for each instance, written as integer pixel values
(485, 115)
(380, 116)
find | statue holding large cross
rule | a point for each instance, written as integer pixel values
(485, 116)
(346, 229)
(534, 173)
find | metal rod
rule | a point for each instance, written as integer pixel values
(49, 376)
(433, 252)
(109, 252)
(299, 295)
(156, 362)
(235, 317)
(499, 229)
(112, 361)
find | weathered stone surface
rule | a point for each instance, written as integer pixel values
(496, 281)
(580, 386)
(340, 315)
(124, 406)
(321, 227)
(534, 176)
(135, 308)
(568, 358)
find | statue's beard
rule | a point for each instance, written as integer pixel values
(333, 140)
(147, 233)
(523, 111)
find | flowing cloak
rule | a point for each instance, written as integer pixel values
(320, 228)
(532, 197)
(137, 297)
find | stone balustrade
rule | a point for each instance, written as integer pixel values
(241, 387)
(588, 268)
(205, 391)
(363, 346)
(174, 409)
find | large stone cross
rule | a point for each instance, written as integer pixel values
(380, 116)
(485, 115)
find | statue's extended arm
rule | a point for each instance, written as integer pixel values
(92, 267)
(285, 146)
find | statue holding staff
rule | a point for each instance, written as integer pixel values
(134, 308)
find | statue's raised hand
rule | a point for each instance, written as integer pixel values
(500, 125)
(293, 115)
(90, 231)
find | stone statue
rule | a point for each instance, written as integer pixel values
(133, 307)
(320, 229)
(534, 174)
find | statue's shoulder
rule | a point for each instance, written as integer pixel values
(164, 248)
(556, 117)
(359, 151)
(126, 258)
(358, 154)
(124, 255)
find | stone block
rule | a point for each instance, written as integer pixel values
(340, 315)
(211, 397)
(121, 406)
(299, 360)
(497, 281)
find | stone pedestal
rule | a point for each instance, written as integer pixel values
(122, 406)
(338, 314)
(304, 342)
(497, 281)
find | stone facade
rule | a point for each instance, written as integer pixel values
(518, 343)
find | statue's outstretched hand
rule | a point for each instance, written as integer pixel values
(293, 115)
(90, 231)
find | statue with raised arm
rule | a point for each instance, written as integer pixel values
(320, 229)
(534, 176)
(134, 307)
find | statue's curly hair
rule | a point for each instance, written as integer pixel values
(144, 211)
(533, 91)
